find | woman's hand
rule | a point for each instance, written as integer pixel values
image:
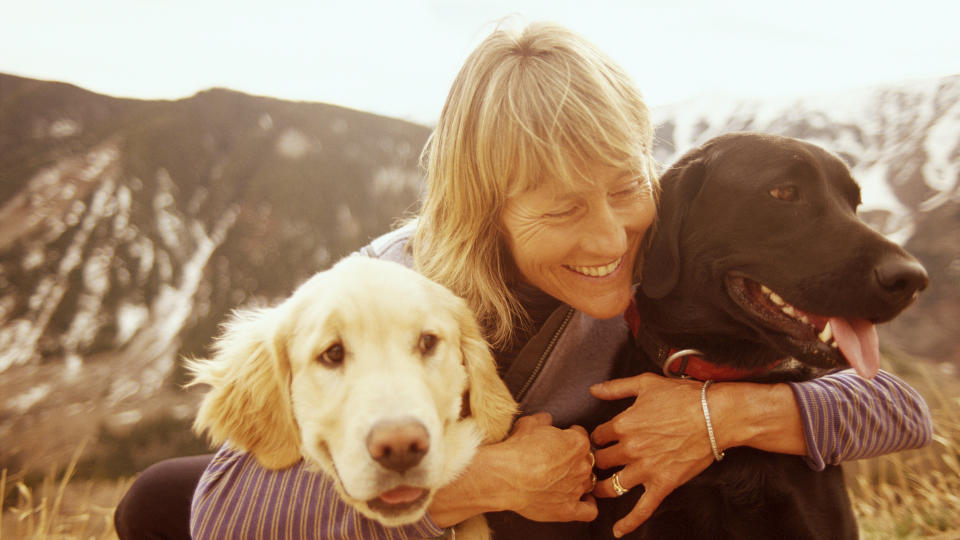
(661, 440)
(551, 471)
(539, 471)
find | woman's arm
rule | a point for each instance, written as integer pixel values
(838, 417)
(539, 471)
(847, 417)
(662, 441)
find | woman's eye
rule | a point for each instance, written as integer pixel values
(634, 189)
(561, 213)
(785, 193)
(333, 356)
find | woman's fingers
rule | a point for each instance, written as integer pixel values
(528, 422)
(642, 511)
(626, 479)
(616, 388)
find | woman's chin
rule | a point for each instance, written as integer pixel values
(604, 308)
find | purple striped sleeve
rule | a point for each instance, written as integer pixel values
(238, 499)
(847, 417)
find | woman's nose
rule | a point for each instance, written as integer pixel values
(604, 232)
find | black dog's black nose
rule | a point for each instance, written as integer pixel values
(901, 278)
(398, 444)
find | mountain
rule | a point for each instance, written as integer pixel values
(129, 229)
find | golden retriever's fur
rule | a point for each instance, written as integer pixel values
(363, 343)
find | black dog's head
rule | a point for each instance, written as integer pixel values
(758, 254)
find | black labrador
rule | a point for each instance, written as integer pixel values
(758, 256)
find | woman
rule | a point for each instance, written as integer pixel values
(541, 188)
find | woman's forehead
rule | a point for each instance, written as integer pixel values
(585, 180)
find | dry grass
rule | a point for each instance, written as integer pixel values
(914, 494)
(59, 508)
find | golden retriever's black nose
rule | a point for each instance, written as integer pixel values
(900, 279)
(398, 444)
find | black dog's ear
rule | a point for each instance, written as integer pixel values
(679, 186)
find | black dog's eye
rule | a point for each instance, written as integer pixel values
(333, 356)
(427, 343)
(785, 193)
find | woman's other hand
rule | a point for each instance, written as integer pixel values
(661, 440)
(551, 471)
(539, 471)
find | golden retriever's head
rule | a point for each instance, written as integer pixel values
(369, 371)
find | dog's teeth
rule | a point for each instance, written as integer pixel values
(775, 298)
(827, 334)
(788, 309)
(803, 319)
(765, 290)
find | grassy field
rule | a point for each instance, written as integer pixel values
(913, 494)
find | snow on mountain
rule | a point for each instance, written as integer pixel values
(901, 142)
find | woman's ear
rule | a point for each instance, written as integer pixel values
(248, 405)
(680, 185)
(490, 403)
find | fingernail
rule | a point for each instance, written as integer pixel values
(617, 533)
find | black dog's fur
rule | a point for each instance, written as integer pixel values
(741, 210)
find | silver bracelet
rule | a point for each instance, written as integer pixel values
(717, 453)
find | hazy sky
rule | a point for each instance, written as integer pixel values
(399, 57)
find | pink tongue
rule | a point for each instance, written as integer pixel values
(401, 495)
(858, 341)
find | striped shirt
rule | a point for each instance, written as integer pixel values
(846, 417)
(238, 499)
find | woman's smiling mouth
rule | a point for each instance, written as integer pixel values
(597, 271)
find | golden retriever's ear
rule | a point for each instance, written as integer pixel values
(249, 403)
(491, 404)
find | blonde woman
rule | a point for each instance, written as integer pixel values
(541, 188)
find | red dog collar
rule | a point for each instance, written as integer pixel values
(691, 363)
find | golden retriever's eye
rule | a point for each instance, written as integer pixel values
(332, 357)
(428, 342)
(785, 193)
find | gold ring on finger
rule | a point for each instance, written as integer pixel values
(617, 488)
(593, 482)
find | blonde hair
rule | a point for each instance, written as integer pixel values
(527, 107)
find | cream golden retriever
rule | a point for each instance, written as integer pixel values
(372, 373)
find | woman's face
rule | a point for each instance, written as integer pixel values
(580, 245)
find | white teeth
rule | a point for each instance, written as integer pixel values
(597, 271)
(786, 308)
(827, 334)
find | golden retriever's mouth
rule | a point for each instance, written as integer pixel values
(819, 340)
(399, 500)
